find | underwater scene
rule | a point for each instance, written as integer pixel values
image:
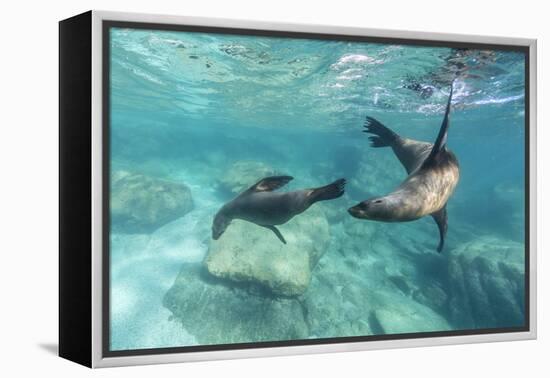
(282, 189)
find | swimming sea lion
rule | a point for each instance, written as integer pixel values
(433, 175)
(260, 205)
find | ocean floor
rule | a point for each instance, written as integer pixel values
(336, 277)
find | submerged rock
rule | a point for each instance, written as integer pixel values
(358, 293)
(141, 204)
(407, 317)
(336, 304)
(243, 174)
(487, 283)
(216, 312)
(249, 253)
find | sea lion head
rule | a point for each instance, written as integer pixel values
(379, 209)
(219, 225)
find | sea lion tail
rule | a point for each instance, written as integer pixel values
(328, 192)
(383, 137)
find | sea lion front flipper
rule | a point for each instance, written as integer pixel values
(268, 184)
(440, 217)
(441, 140)
(383, 136)
(276, 232)
(411, 153)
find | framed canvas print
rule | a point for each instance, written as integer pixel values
(234, 189)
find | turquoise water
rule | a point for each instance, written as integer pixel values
(196, 118)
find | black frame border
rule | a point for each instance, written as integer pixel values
(75, 189)
(107, 25)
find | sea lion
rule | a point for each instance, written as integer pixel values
(259, 204)
(460, 62)
(433, 174)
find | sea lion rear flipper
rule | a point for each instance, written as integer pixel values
(328, 192)
(441, 140)
(268, 184)
(440, 218)
(276, 232)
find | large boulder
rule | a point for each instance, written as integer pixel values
(487, 284)
(141, 204)
(406, 316)
(243, 174)
(336, 300)
(249, 253)
(215, 311)
(358, 290)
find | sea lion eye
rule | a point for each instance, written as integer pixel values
(378, 201)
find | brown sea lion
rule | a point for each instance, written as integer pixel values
(433, 174)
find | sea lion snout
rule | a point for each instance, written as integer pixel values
(219, 226)
(359, 210)
(216, 234)
(375, 208)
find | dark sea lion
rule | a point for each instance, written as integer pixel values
(460, 62)
(433, 174)
(259, 204)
